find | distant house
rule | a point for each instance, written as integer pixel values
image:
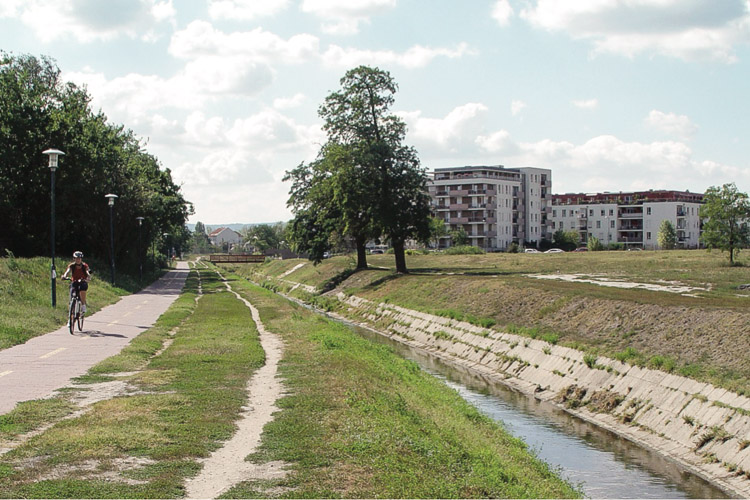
(224, 235)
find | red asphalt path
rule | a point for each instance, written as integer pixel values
(46, 363)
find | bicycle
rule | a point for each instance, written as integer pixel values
(75, 309)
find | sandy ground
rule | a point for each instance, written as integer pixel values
(227, 466)
(672, 287)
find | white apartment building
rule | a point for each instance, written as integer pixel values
(495, 206)
(632, 218)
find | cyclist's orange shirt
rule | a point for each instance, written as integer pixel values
(78, 273)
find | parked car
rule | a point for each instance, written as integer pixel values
(555, 250)
(531, 250)
(581, 249)
(376, 251)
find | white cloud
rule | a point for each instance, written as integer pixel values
(671, 124)
(200, 38)
(498, 143)
(586, 104)
(686, 29)
(502, 12)
(516, 107)
(447, 134)
(289, 102)
(343, 17)
(11, 8)
(244, 9)
(415, 57)
(93, 20)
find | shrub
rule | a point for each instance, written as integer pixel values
(512, 248)
(464, 250)
(590, 360)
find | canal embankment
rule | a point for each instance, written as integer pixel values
(704, 428)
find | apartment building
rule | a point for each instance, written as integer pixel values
(494, 205)
(632, 219)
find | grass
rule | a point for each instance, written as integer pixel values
(361, 422)
(26, 300)
(187, 401)
(667, 331)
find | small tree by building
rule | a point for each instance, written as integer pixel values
(726, 214)
(667, 237)
(459, 237)
(566, 240)
(594, 244)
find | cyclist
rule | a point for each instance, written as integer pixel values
(80, 275)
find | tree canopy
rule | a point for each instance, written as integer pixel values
(365, 182)
(39, 111)
(726, 214)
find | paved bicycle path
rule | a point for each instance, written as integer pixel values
(43, 364)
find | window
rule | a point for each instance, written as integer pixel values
(648, 210)
(611, 212)
(648, 235)
(602, 213)
(553, 224)
(612, 224)
(564, 213)
(554, 213)
(591, 213)
(598, 224)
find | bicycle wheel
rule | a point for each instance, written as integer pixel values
(72, 315)
(81, 314)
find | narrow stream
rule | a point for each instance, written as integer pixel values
(603, 464)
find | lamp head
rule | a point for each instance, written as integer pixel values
(53, 155)
(111, 199)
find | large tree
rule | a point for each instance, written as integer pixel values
(330, 196)
(358, 118)
(726, 215)
(38, 111)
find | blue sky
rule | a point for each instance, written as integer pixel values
(612, 95)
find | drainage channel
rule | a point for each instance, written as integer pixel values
(603, 464)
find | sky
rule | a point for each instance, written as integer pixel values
(611, 95)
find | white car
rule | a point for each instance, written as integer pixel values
(531, 250)
(555, 250)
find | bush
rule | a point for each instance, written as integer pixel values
(512, 248)
(464, 250)
(594, 245)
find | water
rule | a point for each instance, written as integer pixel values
(603, 464)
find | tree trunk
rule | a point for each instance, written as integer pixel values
(398, 251)
(361, 253)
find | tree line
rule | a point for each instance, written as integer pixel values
(38, 110)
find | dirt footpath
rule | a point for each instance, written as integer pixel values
(227, 466)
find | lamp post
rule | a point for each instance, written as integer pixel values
(166, 246)
(111, 202)
(140, 259)
(53, 154)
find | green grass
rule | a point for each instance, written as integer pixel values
(668, 331)
(191, 394)
(361, 422)
(26, 299)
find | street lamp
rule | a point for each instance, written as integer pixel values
(140, 260)
(53, 154)
(166, 246)
(111, 202)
